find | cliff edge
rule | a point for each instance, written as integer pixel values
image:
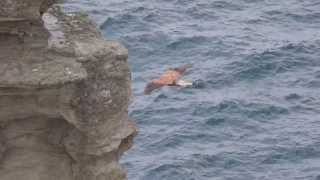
(64, 96)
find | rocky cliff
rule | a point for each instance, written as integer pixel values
(64, 94)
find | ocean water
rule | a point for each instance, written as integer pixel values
(258, 117)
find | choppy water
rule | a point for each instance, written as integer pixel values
(259, 115)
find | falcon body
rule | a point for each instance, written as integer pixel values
(169, 78)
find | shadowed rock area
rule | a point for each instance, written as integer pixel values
(64, 96)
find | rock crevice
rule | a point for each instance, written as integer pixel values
(64, 95)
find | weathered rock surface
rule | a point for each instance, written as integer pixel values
(64, 94)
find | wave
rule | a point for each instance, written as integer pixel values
(188, 42)
(304, 18)
(268, 64)
(282, 16)
(292, 154)
(293, 96)
(230, 111)
(170, 171)
(225, 5)
(194, 167)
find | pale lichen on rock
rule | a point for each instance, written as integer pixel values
(64, 96)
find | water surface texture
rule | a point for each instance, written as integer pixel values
(258, 118)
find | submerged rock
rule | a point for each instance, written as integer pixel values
(64, 96)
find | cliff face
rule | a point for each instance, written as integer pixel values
(64, 94)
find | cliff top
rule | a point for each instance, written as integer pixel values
(59, 49)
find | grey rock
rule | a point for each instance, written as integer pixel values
(64, 96)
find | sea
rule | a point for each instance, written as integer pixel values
(258, 115)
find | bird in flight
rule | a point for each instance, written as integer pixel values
(170, 78)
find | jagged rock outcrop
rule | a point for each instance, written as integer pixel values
(64, 94)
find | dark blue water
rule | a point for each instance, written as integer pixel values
(258, 116)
